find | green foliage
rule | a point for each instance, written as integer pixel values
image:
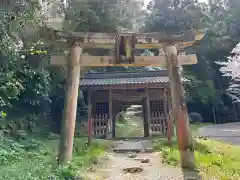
(195, 117)
(214, 159)
(24, 153)
(10, 85)
(37, 89)
(17, 76)
(36, 159)
(120, 118)
(26, 88)
(206, 89)
(3, 114)
(97, 16)
(175, 16)
(66, 172)
(129, 124)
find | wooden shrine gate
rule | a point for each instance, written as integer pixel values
(171, 59)
(98, 113)
(109, 90)
(159, 106)
(100, 119)
(159, 117)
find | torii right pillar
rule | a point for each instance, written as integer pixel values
(179, 109)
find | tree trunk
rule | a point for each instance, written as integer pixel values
(214, 114)
(235, 113)
(70, 105)
(210, 7)
(179, 109)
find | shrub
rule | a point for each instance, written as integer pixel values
(195, 117)
(66, 172)
(120, 118)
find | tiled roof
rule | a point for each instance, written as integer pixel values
(124, 78)
(126, 81)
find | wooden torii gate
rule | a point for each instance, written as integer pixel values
(122, 47)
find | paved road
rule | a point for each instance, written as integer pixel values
(230, 133)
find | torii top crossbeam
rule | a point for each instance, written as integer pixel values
(123, 47)
(92, 39)
(153, 37)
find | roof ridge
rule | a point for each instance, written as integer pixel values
(112, 75)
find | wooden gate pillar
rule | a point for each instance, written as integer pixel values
(170, 108)
(179, 109)
(169, 127)
(110, 119)
(70, 105)
(148, 112)
(145, 118)
(90, 121)
(114, 122)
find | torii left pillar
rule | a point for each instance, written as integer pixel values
(70, 105)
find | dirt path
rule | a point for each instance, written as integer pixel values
(152, 168)
(135, 155)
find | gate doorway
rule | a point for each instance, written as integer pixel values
(109, 92)
(130, 122)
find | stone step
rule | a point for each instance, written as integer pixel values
(132, 113)
(134, 108)
(128, 150)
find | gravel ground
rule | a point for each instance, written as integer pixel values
(112, 169)
(112, 165)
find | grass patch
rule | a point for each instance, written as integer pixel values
(35, 159)
(130, 124)
(214, 159)
(129, 129)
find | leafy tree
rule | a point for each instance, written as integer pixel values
(231, 69)
(206, 89)
(171, 16)
(14, 21)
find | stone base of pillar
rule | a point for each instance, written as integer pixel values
(187, 159)
(109, 136)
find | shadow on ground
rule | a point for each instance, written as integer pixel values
(191, 175)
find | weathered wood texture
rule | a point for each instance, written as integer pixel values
(100, 112)
(159, 109)
(179, 109)
(145, 118)
(110, 113)
(170, 128)
(100, 96)
(90, 123)
(110, 38)
(129, 95)
(100, 122)
(158, 116)
(179, 45)
(70, 106)
(148, 111)
(158, 123)
(159, 61)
